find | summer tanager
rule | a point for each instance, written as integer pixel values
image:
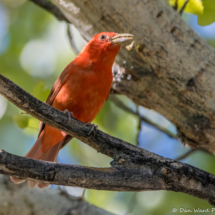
(81, 89)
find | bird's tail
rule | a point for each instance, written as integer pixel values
(37, 152)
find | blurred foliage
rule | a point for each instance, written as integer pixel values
(204, 9)
(208, 16)
(34, 49)
(21, 121)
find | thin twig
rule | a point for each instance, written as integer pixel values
(186, 154)
(47, 5)
(139, 126)
(80, 198)
(183, 7)
(191, 151)
(71, 40)
(175, 7)
(132, 204)
(24, 113)
(121, 105)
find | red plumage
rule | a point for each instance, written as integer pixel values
(82, 88)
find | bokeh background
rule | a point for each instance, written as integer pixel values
(34, 49)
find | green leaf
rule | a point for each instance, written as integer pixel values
(208, 16)
(40, 91)
(193, 6)
(21, 120)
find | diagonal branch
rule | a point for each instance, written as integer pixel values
(71, 40)
(183, 7)
(133, 168)
(191, 151)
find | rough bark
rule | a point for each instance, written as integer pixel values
(20, 200)
(170, 68)
(133, 168)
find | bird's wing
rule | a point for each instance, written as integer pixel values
(54, 91)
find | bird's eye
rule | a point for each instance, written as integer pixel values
(103, 36)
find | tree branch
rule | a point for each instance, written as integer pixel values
(186, 154)
(114, 179)
(71, 40)
(20, 200)
(133, 168)
(191, 151)
(183, 7)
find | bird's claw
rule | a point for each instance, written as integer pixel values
(69, 114)
(93, 128)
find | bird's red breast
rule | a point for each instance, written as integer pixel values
(87, 82)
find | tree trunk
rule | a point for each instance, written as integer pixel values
(169, 69)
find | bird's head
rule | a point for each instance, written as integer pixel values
(105, 46)
(109, 40)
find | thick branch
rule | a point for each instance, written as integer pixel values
(170, 69)
(114, 179)
(133, 168)
(20, 200)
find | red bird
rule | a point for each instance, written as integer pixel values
(82, 89)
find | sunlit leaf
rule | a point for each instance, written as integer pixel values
(33, 126)
(33, 123)
(40, 91)
(208, 16)
(21, 120)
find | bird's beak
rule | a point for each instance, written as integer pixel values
(119, 39)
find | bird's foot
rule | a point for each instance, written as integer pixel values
(93, 128)
(70, 114)
(39, 184)
(31, 184)
(17, 180)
